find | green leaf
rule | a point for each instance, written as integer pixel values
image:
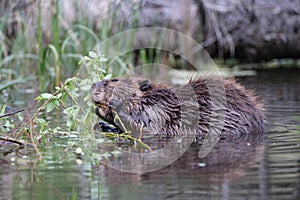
(102, 59)
(76, 111)
(39, 98)
(56, 101)
(70, 86)
(101, 70)
(89, 103)
(93, 54)
(20, 117)
(58, 95)
(54, 51)
(71, 124)
(42, 122)
(46, 95)
(9, 125)
(51, 105)
(70, 80)
(38, 137)
(64, 97)
(2, 109)
(86, 87)
(84, 82)
(86, 58)
(108, 76)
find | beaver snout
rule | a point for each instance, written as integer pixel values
(97, 92)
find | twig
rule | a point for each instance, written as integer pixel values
(11, 113)
(117, 117)
(70, 95)
(112, 135)
(9, 139)
(125, 136)
(36, 113)
(32, 140)
(107, 134)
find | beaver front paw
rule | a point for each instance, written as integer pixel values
(104, 127)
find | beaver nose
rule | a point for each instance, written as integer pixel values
(99, 84)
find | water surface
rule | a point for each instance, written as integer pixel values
(248, 169)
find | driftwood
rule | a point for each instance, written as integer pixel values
(251, 30)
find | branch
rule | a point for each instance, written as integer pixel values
(11, 113)
(9, 139)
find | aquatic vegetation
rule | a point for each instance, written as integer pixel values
(47, 54)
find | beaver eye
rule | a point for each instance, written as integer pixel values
(114, 80)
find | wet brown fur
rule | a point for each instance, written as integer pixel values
(159, 109)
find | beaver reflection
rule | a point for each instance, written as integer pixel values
(156, 108)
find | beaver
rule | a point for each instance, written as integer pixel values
(141, 105)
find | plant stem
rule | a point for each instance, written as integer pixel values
(125, 136)
(32, 140)
(40, 48)
(11, 113)
(9, 139)
(36, 113)
(55, 34)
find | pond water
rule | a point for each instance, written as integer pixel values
(248, 169)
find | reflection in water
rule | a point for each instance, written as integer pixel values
(190, 176)
(246, 169)
(56, 177)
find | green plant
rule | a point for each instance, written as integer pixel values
(49, 55)
(67, 97)
(5, 124)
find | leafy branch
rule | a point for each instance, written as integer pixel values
(70, 91)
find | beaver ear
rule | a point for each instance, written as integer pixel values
(144, 85)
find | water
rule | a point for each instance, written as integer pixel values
(247, 169)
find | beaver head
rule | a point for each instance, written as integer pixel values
(104, 93)
(140, 103)
(126, 91)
